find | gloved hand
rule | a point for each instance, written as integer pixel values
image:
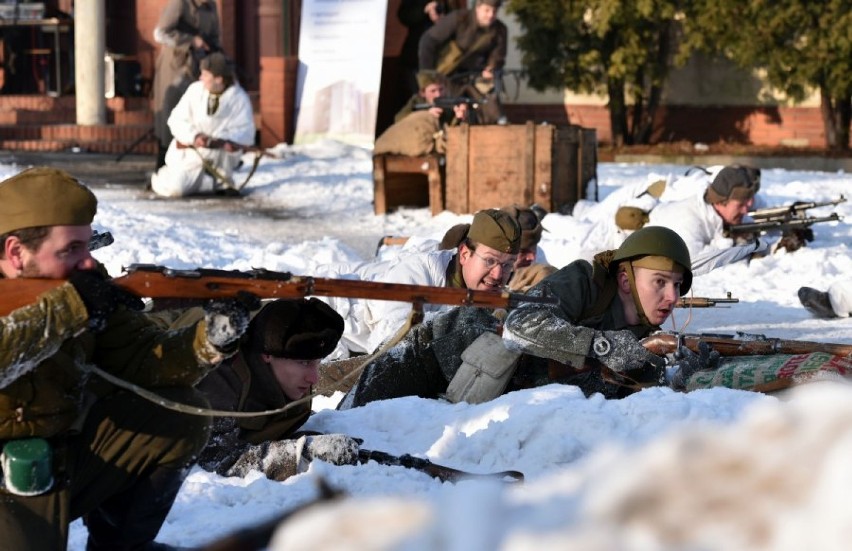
(101, 297)
(688, 363)
(620, 351)
(795, 239)
(337, 449)
(227, 320)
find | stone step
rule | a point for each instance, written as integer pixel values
(146, 147)
(67, 137)
(68, 103)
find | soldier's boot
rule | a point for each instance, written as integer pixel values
(816, 302)
(132, 519)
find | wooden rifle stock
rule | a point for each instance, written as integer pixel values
(197, 285)
(727, 345)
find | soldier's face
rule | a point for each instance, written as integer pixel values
(211, 82)
(485, 15)
(485, 269)
(433, 91)
(295, 377)
(65, 249)
(733, 210)
(658, 291)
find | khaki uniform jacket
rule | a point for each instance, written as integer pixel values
(45, 348)
(460, 26)
(245, 383)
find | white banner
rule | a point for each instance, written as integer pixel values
(341, 43)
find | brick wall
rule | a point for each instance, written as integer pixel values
(772, 126)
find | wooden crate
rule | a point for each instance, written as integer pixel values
(492, 166)
(399, 180)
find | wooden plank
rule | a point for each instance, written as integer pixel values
(379, 199)
(457, 169)
(436, 185)
(542, 191)
(497, 172)
(528, 183)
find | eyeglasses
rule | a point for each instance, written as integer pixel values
(491, 263)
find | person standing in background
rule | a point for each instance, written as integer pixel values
(187, 31)
(418, 16)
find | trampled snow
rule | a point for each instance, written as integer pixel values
(711, 469)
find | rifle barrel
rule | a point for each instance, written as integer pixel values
(783, 224)
(666, 343)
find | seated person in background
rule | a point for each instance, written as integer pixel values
(277, 364)
(483, 262)
(702, 220)
(527, 272)
(211, 124)
(433, 85)
(836, 302)
(420, 132)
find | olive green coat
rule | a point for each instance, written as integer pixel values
(45, 348)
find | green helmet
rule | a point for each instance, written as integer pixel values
(657, 241)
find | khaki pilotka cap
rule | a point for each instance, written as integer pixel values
(733, 182)
(496, 229)
(44, 196)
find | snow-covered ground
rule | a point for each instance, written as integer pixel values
(718, 469)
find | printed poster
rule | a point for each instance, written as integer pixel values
(341, 43)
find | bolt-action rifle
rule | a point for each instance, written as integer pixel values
(788, 217)
(704, 302)
(182, 288)
(741, 344)
(445, 474)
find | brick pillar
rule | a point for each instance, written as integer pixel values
(278, 75)
(89, 46)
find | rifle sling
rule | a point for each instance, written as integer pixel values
(195, 410)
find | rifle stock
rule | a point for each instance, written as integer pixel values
(159, 282)
(727, 345)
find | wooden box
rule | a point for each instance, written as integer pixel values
(399, 180)
(492, 166)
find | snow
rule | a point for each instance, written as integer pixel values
(712, 469)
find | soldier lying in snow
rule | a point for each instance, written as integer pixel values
(275, 366)
(605, 308)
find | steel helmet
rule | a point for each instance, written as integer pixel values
(656, 241)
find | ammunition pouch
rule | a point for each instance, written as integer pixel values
(487, 366)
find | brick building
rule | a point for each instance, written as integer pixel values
(705, 102)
